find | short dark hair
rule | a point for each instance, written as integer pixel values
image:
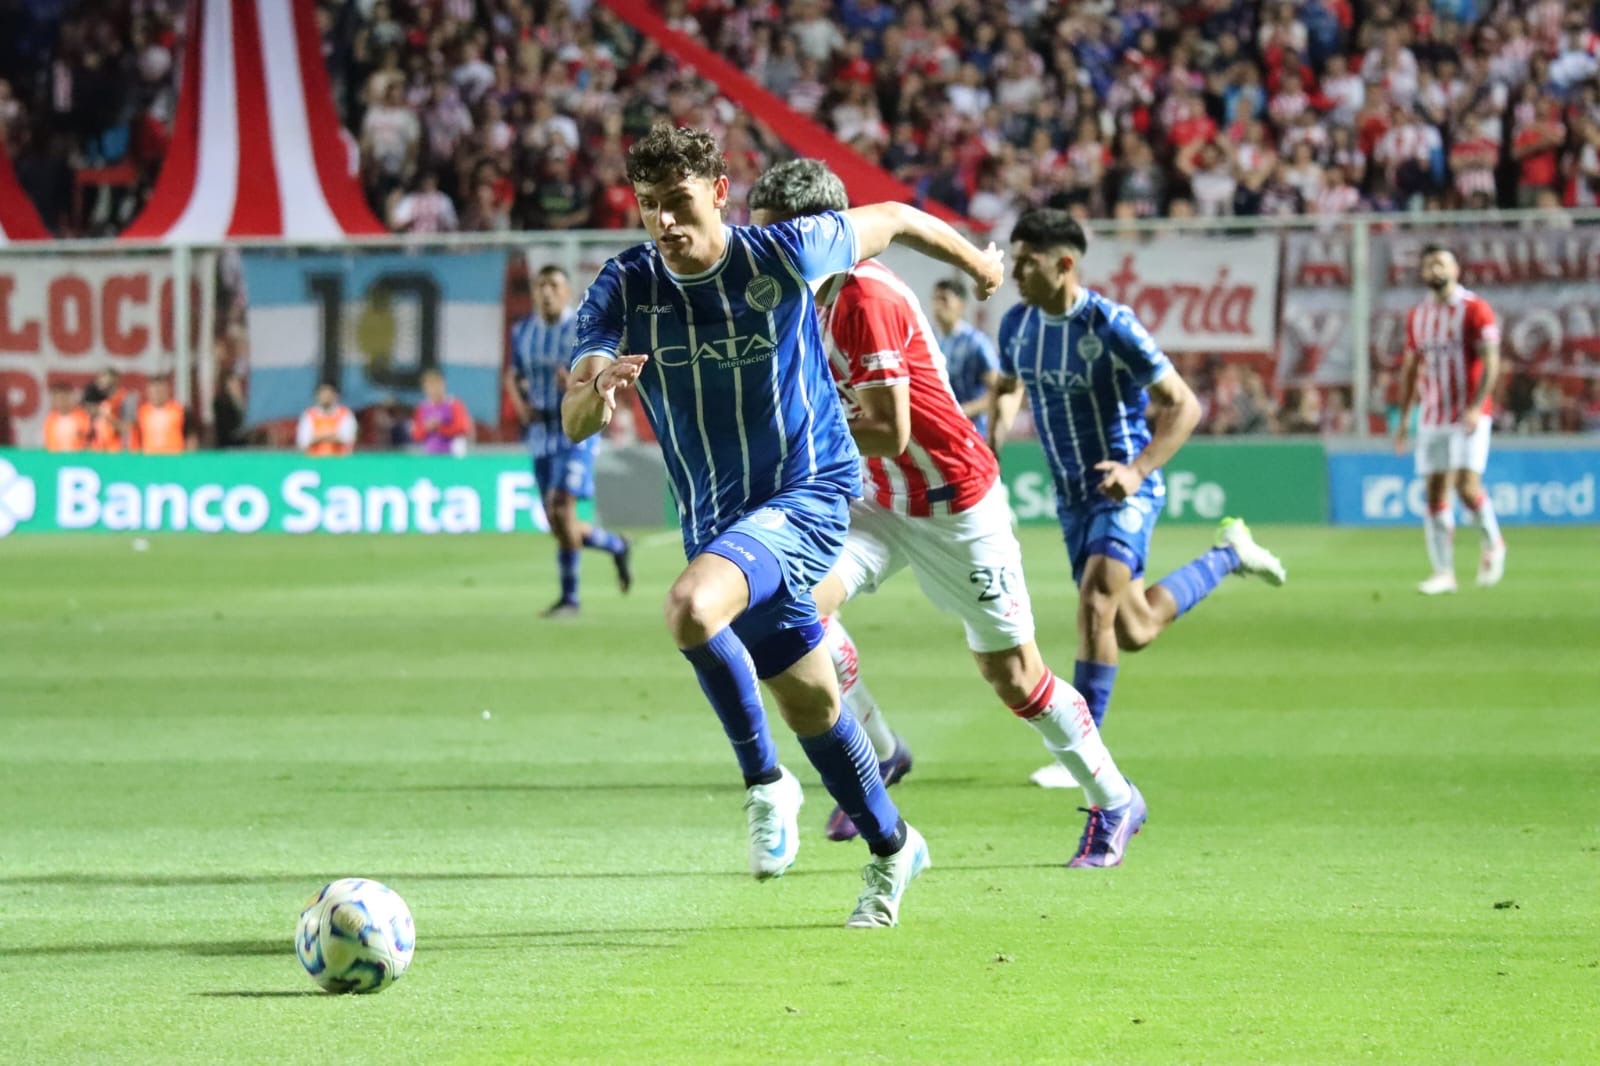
(954, 286)
(551, 268)
(1435, 248)
(799, 187)
(1050, 227)
(672, 153)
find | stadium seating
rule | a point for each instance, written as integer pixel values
(522, 110)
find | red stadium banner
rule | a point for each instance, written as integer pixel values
(1540, 282)
(66, 318)
(1194, 294)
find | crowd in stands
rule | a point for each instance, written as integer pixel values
(493, 114)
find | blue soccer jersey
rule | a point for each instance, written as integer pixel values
(541, 352)
(737, 388)
(1086, 373)
(969, 358)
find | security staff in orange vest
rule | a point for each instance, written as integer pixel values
(66, 425)
(161, 425)
(104, 399)
(327, 427)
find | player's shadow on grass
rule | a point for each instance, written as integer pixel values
(554, 938)
(276, 993)
(104, 880)
(697, 787)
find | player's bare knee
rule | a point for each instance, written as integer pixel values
(1438, 487)
(692, 612)
(1097, 607)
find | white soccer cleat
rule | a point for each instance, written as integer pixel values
(886, 878)
(1492, 567)
(1053, 776)
(773, 812)
(1438, 585)
(1253, 558)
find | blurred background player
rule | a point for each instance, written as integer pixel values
(440, 423)
(161, 426)
(970, 360)
(326, 427)
(1091, 371)
(934, 504)
(1452, 359)
(541, 350)
(737, 389)
(66, 425)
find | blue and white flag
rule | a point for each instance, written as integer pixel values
(372, 323)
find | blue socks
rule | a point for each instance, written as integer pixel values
(1190, 584)
(605, 540)
(1094, 681)
(849, 768)
(728, 678)
(567, 562)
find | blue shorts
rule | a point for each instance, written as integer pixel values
(785, 548)
(561, 465)
(1102, 526)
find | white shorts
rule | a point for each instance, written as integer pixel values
(1441, 449)
(968, 564)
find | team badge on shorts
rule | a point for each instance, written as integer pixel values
(768, 518)
(763, 293)
(1128, 518)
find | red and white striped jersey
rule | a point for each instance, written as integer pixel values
(1447, 339)
(877, 336)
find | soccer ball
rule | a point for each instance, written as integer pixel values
(355, 936)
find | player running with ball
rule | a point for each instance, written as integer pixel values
(716, 326)
(935, 506)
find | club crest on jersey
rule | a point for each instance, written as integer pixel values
(763, 293)
(1090, 347)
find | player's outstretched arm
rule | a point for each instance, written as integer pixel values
(1005, 400)
(879, 225)
(591, 396)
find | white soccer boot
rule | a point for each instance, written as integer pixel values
(1053, 776)
(1439, 584)
(886, 878)
(773, 812)
(1253, 558)
(1492, 567)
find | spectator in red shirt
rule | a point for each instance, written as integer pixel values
(1536, 149)
(614, 205)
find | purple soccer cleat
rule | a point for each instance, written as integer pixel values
(1107, 833)
(892, 769)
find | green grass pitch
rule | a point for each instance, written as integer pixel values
(1374, 830)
